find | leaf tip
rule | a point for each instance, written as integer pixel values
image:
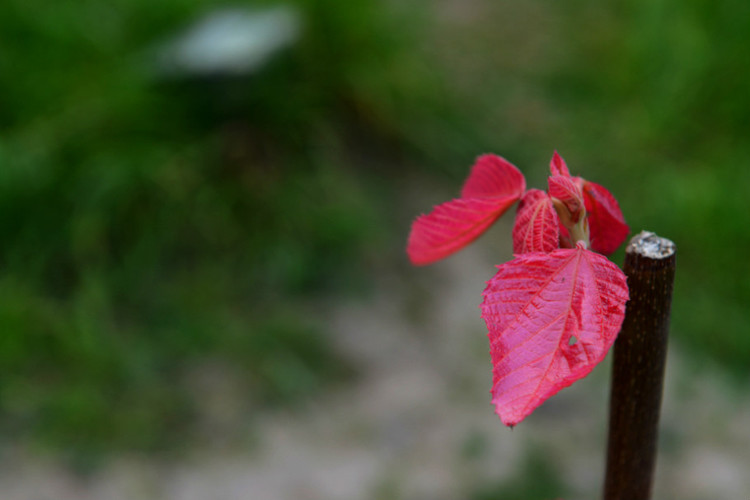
(557, 165)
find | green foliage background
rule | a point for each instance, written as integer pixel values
(149, 226)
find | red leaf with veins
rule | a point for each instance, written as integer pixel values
(565, 189)
(492, 175)
(557, 165)
(492, 187)
(551, 319)
(451, 226)
(536, 228)
(607, 227)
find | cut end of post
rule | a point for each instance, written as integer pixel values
(651, 246)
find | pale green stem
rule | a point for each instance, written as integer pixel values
(579, 231)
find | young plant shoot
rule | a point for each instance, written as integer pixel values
(554, 311)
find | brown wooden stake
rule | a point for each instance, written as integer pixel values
(638, 369)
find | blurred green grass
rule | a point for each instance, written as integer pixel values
(148, 225)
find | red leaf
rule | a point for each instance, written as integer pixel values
(453, 225)
(492, 175)
(565, 189)
(607, 226)
(557, 166)
(491, 188)
(536, 228)
(551, 319)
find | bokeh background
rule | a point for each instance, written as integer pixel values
(203, 215)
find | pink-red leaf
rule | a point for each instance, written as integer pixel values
(536, 228)
(557, 166)
(607, 225)
(453, 225)
(492, 175)
(565, 189)
(491, 188)
(551, 319)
